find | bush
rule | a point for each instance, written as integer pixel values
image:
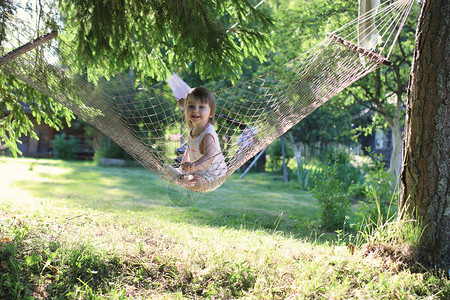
(109, 149)
(65, 148)
(330, 194)
(357, 192)
(345, 171)
(306, 175)
(380, 195)
(303, 177)
(275, 163)
(337, 157)
(348, 174)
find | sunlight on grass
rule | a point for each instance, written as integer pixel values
(73, 230)
(251, 202)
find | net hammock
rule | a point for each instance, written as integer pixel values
(149, 125)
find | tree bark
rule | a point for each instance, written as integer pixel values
(425, 174)
(396, 156)
(397, 139)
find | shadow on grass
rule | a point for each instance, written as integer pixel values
(256, 202)
(44, 271)
(50, 271)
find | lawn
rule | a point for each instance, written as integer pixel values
(257, 201)
(73, 230)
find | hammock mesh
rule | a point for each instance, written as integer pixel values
(149, 125)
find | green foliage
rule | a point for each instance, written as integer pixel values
(155, 37)
(275, 163)
(386, 231)
(149, 38)
(340, 160)
(109, 149)
(381, 197)
(67, 269)
(352, 177)
(300, 26)
(306, 23)
(7, 6)
(337, 157)
(303, 176)
(333, 203)
(383, 92)
(21, 107)
(306, 173)
(357, 192)
(64, 147)
(324, 128)
(375, 90)
(348, 173)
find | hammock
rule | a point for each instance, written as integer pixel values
(149, 125)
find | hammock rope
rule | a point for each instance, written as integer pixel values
(148, 124)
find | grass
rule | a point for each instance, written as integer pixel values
(253, 203)
(71, 230)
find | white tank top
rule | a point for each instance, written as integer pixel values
(218, 167)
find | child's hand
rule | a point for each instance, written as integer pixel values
(181, 103)
(187, 167)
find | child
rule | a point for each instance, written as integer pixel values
(203, 159)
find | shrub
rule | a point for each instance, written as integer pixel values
(330, 194)
(275, 163)
(348, 173)
(345, 170)
(109, 149)
(63, 147)
(303, 176)
(357, 192)
(306, 175)
(337, 157)
(380, 194)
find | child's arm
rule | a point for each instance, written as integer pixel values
(209, 151)
(185, 159)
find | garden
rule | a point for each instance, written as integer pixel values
(74, 230)
(328, 115)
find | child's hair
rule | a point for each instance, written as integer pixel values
(204, 96)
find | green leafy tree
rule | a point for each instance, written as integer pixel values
(6, 6)
(330, 194)
(65, 147)
(306, 23)
(20, 104)
(384, 91)
(300, 25)
(326, 127)
(148, 38)
(16, 98)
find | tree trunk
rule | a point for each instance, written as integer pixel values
(285, 177)
(397, 142)
(396, 156)
(367, 28)
(297, 148)
(426, 171)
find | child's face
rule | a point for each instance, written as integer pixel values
(197, 112)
